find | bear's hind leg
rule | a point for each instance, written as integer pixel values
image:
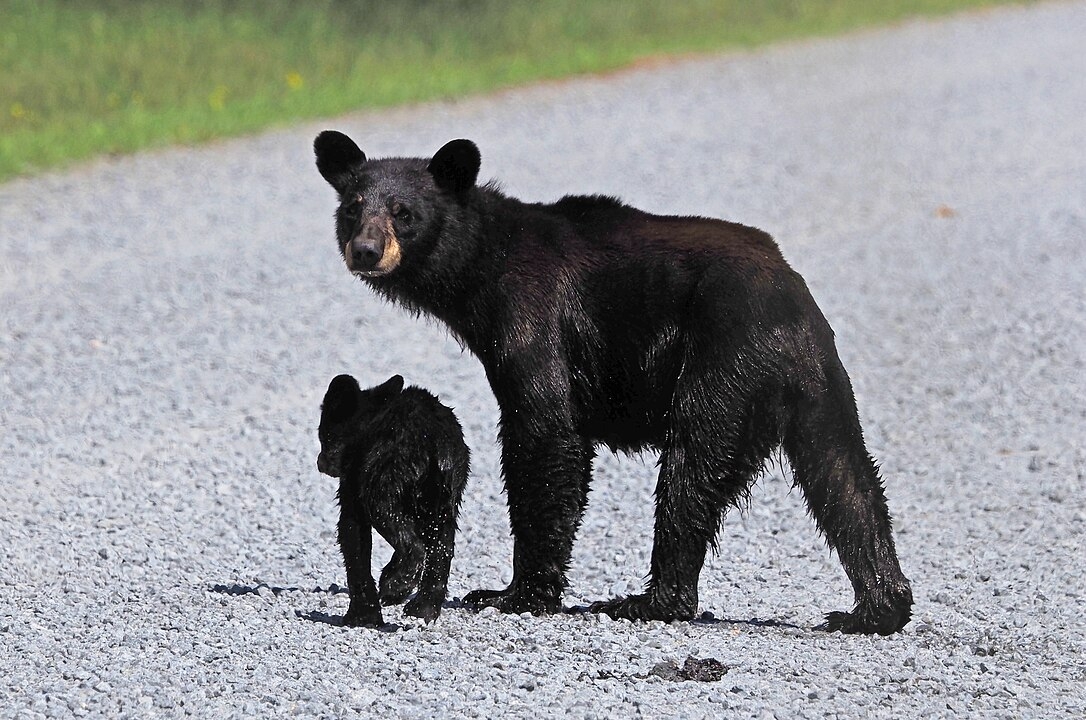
(844, 493)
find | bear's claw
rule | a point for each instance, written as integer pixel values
(427, 609)
(639, 607)
(512, 602)
(865, 621)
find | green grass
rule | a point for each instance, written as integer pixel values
(80, 78)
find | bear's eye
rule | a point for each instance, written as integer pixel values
(353, 208)
(400, 212)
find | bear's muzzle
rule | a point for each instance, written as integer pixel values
(374, 250)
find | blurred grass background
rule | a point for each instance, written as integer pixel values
(83, 77)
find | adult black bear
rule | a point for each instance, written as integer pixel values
(597, 323)
(402, 465)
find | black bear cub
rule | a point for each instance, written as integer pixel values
(402, 465)
(600, 324)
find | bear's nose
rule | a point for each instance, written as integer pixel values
(366, 252)
(324, 467)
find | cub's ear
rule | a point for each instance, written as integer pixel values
(391, 387)
(455, 166)
(341, 400)
(336, 155)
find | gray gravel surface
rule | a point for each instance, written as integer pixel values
(169, 323)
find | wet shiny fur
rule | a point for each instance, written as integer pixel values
(600, 324)
(402, 465)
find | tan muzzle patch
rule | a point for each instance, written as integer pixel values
(347, 256)
(390, 258)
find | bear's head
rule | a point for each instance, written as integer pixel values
(393, 210)
(345, 412)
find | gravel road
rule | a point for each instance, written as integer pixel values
(169, 323)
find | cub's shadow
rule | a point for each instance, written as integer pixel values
(337, 620)
(316, 616)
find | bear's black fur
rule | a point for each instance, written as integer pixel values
(402, 465)
(598, 323)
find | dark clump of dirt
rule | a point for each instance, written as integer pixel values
(699, 669)
(696, 669)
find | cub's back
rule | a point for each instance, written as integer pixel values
(422, 421)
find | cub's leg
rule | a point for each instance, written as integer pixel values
(400, 576)
(356, 543)
(439, 500)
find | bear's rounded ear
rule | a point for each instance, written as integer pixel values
(336, 155)
(392, 386)
(341, 400)
(455, 166)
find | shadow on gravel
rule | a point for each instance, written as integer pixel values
(236, 589)
(337, 621)
(706, 618)
(316, 616)
(753, 622)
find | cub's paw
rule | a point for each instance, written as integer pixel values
(641, 607)
(513, 601)
(398, 579)
(394, 590)
(422, 607)
(866, 621)
(363, 616)
(482, 598)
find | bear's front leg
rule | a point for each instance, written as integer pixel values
(355, 541)
(546, 481)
